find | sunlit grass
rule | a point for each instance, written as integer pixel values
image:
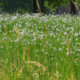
(36, 47)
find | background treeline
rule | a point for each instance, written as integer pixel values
(34, 5)
(15, 5)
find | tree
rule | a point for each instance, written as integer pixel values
(34, 6)
(73, 8)
(38, 6)
(42, 6)
(16, 5)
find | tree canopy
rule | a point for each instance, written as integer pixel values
(31, 5)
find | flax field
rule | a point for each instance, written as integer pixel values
(39, 47)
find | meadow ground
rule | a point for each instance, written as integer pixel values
(36, 47)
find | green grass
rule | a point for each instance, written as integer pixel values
(36, 47)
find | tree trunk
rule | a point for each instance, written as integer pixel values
(38, 6)
(34, 6)
(42, 6)
(73, 8)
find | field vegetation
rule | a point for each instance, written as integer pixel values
(37, 47)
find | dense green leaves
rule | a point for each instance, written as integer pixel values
(32, 5)
(13, 5)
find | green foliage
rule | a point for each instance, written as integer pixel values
(56, 3)
(27, 5)
(13, 5)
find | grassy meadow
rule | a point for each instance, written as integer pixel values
(36, 47)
